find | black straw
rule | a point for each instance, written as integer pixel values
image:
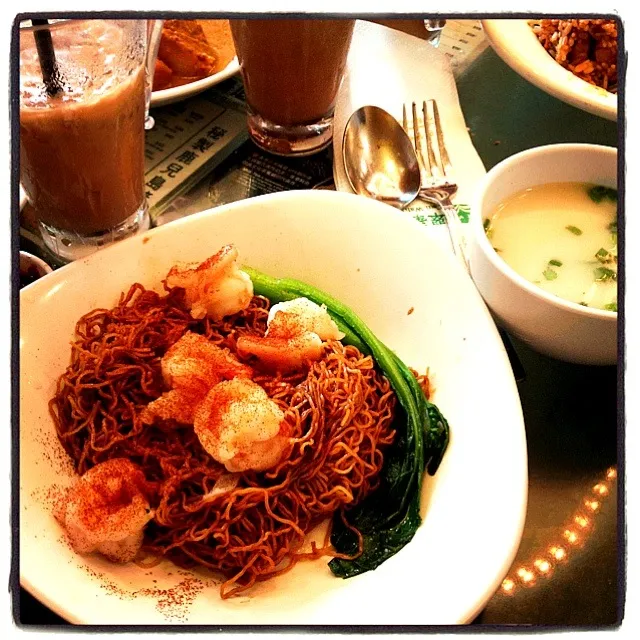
(47, 57)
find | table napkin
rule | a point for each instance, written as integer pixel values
(387, 68)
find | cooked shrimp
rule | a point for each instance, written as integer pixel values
(215, 287)
(107, 509)
(241, 427)
(190, 368)
(194, 360)
(282, 354)
(295, 333)
(299, 316)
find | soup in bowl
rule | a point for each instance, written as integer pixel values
(544, 250)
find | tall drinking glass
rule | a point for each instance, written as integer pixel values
(154, 35)
(292, 70)
(82, 118)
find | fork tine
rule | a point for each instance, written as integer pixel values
(423, 159)
(414, 137)
(437, 169)
(444, 156)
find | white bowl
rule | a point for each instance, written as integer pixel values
(416, 299)
(553, 326)
(165, 97)
(516, 43)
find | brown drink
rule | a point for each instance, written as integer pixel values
(292, 70)
(73, 153)
(82, 149)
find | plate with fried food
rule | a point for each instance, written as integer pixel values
(193, 55)
(573, 60)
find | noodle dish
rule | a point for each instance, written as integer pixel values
(217, 427)
(276, 412)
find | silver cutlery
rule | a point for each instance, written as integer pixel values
(379, 158)
(437, 183)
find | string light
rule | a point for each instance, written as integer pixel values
(527, 577)
(574, 535)
(559, 554)
(593, 505)
(571, 537)
(508, 586)
(601, 489)
(543, 567)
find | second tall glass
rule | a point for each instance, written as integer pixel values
(292, 70)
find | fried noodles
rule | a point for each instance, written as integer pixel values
(340, 412)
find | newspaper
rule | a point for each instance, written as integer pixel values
(188, 140)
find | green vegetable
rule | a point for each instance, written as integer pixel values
(555, 263)
(388, 518)
(600, 193)
(574, 230)
(603, 274)
(602, 255)
(550, 274)
(584, 304)
(612, 306)
(486, 225)
(613, 228)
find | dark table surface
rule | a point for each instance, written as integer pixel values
(571, 412)
(568, 570)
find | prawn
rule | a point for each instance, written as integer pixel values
(107, 509)
(299, 316)
(216, 287)
(190, 367)
(241, 427)
(296, 331)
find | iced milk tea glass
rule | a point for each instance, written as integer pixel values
(292, 70)
(82, 117)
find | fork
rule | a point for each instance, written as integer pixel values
(437, 185)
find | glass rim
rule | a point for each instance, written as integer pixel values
(56, 23)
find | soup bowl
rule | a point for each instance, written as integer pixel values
(547, 323)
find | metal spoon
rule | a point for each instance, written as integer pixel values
(379, 159)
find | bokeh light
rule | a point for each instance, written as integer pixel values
(573, 536)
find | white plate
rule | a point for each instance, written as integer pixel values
(176, 94)
(516, 43)
(381, 263)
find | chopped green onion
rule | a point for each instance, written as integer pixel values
(550, 274)
(613, 306)
(555, 263)
(486, 225)
(599, 193)
(604, 256)
(603, 274)
(613, 227)
(584, 304)
(574, 230)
